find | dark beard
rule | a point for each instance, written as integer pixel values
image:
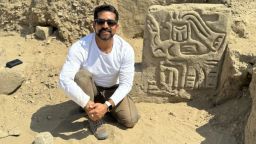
(102, 37)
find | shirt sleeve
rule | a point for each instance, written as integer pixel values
(67, 75)
(126, 76)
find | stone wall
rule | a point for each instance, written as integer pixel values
(250, 129)
(235, 75)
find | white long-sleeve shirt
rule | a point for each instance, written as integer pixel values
(116, 67)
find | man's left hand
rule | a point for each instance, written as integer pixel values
(99, 111)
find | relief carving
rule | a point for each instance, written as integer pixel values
(188, 50)
(180, 42)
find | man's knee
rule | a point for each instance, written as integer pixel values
(82, 77)
(129, 123)
(84, 81)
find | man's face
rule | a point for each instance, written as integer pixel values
(105, 25)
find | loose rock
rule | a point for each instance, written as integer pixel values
(14, 132)
(11, 80)
(44, 138)
(43, 32)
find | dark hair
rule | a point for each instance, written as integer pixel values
(105, 7)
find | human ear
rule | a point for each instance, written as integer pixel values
(117, 26)
(93, 26)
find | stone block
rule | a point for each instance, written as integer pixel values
(183, 49)
(43, 32)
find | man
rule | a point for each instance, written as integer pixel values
(106, 64)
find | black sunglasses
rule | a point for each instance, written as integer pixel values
(110, 22)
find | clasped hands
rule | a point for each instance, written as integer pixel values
(95, 111)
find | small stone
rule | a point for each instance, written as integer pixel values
(43, 32)
(75, 4)
(31, 101)
(14, 132)
(50, 75)
(172, 114)
(44, 138)
(60, 14)
(48, 41)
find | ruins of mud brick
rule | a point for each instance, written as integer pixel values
(183, 50)
(186, 57)
(72, 19)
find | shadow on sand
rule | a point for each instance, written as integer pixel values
(228, 121)
(64, 120)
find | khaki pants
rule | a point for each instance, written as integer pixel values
(125, 112)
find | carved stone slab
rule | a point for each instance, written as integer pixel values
(183, 48)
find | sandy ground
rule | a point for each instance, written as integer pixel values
(39, 105)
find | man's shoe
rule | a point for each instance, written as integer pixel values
(98, 129)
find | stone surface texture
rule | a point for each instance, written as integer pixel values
(250, 129)
(183, 49)
(43, 32)
(44, 138)
(9, 82)
(133, 12)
